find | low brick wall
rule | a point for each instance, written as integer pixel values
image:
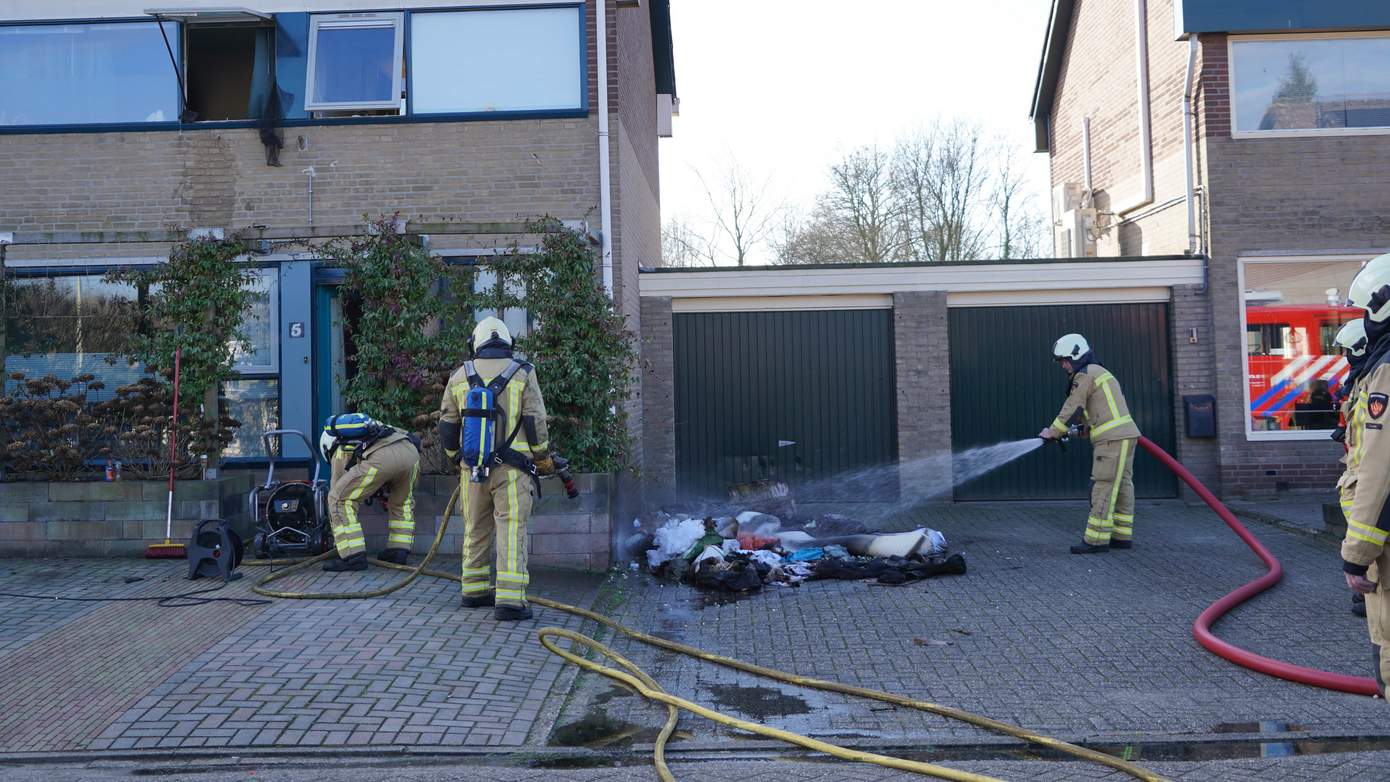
(97, 518)
(563, 532)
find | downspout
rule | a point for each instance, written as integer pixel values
(1086, 160)
(1146, 162)
(1193, 240)
(605, 179)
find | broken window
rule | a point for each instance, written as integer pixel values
(229, 70)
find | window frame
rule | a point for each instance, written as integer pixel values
(581, 110)
(1282, 435)
(317, 22)
(1232, 64)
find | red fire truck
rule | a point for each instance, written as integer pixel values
(1295, 369)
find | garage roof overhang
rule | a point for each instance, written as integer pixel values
(866, 286)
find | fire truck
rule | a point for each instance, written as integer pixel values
(1295, 369)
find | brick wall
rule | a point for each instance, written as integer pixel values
(658, 400)
(1099, 81)
(1312, 195)
(921, 346)
(1194, 372)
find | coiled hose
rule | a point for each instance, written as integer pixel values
(1201, 629)
(637, 680)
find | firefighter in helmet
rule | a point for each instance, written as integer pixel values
(369, 458)
(493, 424)
(1366, 486)
(1096, 409)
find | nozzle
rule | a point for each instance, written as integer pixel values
(562, 471)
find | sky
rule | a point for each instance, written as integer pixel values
(785, 87)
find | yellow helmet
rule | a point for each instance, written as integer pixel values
(489, 330)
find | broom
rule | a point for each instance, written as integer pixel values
(169, 549)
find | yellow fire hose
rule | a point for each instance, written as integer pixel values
(637, 680)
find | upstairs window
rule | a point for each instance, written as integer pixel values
(69, 74)
(1298, 85)
(355, 63)
(496, 60)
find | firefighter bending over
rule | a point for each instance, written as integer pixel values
(492, 421)
(1365, 491)
(368, 457)
(1096, 408)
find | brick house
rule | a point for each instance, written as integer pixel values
(1253, 134)
(124, 120)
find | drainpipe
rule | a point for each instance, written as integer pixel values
(1193, 239)
(1146, 162)
(605, 180)
(1086, 159)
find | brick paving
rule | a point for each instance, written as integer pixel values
(1091, 648)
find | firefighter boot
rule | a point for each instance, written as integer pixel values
(477, 601)
(396, 556)
(511, 613)
(357, 561)
(1117, 543)
(1087, 548)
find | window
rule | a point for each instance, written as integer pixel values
(70, 325)
(355, 62)
(255, 403)
(65, 74)
(254, 397)
(1302, 84)
(261, 327)
(496, 60)
(229, 70)
(1291, 310)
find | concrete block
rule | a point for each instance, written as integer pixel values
(65, 511)
(14, 512)
(17, 533)
(136, 510)
(75, 531)
(554, 523)
(583, 543)
(23, 491)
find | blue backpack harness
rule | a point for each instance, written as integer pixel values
(483, 420)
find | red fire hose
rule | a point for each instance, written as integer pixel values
(1201, 629)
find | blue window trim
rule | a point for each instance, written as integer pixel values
(408, 118)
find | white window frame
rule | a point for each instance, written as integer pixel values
(1232, 40)
(1285, 435)
(317, 22)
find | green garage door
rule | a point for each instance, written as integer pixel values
(793, 396)
(1004, 386)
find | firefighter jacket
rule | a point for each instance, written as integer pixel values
(1368, 461)
(1351, 436)
(347, 453)
(522, 406)
(1096, 402)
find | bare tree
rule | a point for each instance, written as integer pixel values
(1019, 227)
(818, 238)
(684, 245)
(744, 214)
(856, 220)
(940, 179)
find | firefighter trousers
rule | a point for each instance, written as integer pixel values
(495, 513)
(396, 467)
(1112, 492)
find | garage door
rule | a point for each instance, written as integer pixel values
(1004, 386)
(794, 396)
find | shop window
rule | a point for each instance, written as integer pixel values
(1309, 84)
(496, 60)
(355, 63)
(1291, 310)
(67, 74)
(70, 325)
(228, 70)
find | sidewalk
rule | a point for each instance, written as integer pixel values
(1094, 649)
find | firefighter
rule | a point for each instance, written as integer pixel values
(369, 458)
(1352, 341)
(1364, 558)
(1096, 408)
(500, 467)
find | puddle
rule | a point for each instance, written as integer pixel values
(702, 600)
(595, 729)
(1266, 726)
(757, 702)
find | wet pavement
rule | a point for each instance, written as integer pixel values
(1096, 650)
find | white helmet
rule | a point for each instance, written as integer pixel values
(487, 330)
(1352, 337)
(1372, 282)
(328, 443)
(1072, 346)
